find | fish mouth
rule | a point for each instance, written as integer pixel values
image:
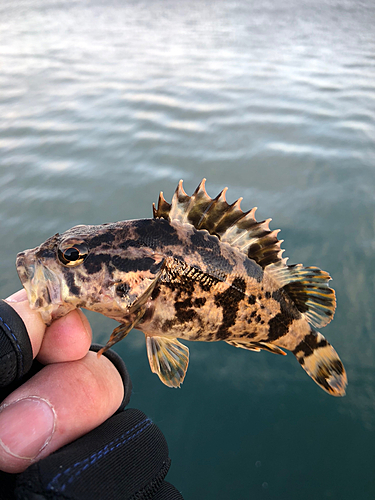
(42, 286)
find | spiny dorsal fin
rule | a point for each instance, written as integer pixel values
(233, 226)
(309, 290)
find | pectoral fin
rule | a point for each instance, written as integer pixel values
(122, 330)
(168, 358)
(133, 297)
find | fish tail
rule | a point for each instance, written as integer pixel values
(320, 360)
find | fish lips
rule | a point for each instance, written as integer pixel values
(42, 285)
(25, 267)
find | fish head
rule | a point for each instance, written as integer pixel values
(43, 280)
(101, 268)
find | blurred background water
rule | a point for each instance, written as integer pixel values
(105, 103)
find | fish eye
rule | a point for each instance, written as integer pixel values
(72, 254)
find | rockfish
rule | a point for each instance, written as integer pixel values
(200, 270)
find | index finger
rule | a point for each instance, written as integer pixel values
(33, 321)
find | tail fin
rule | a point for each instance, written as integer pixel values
(319, 359)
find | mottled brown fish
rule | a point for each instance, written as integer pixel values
(201, 269)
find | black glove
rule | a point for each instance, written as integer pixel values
(124, 458)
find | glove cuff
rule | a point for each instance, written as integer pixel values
(121, 368)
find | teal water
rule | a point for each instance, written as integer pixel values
(104, 104)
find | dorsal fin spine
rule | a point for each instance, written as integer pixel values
(163, 207)
(228, 222)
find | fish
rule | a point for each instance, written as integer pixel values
(199, 270)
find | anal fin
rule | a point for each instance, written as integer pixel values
(168, 358)
(257, 346)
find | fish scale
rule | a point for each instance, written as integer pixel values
(200, 270)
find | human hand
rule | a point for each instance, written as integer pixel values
(71, 400)
(68, 398)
